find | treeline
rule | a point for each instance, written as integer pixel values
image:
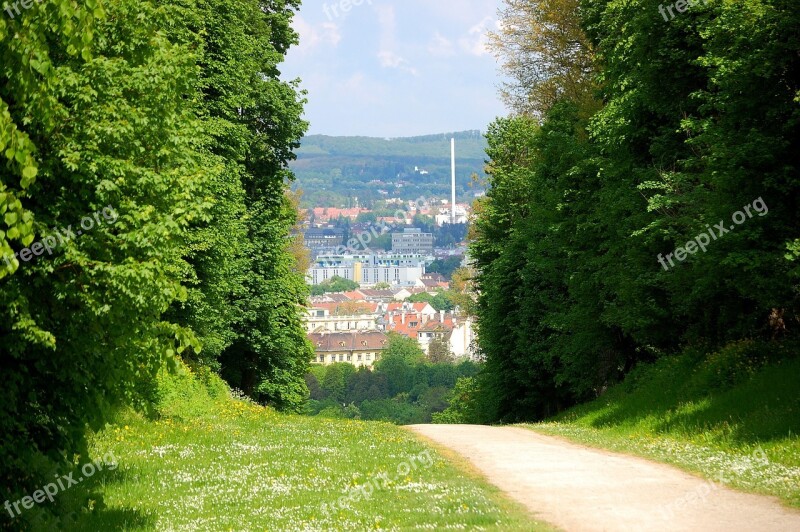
(171, 118)
(644, 194)
(471, 146)
(336, 180)
(404, 388)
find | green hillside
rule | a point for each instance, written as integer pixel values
(471, 145)
(334, 170)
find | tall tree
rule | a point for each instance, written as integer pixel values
(113, 122)
(588, 201)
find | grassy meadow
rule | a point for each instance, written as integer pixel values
(213, 462)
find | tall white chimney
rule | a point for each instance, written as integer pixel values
(453, 179)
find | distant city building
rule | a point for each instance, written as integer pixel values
(323, 238)
(433, 282)
(445, 215)
(337, 317)
(326, 214)
(395, 269)
(412, 241)
(357, 348)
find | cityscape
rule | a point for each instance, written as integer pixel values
(387, 269)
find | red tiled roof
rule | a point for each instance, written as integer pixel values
(439, 326)
(394, 323)
(348, 341)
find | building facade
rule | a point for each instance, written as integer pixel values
(395, 269)
(412, 241)
(323, 238)
(356, 348)
(319, 320)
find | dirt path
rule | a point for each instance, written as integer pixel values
(581, 489)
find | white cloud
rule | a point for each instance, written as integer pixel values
(387, 21)
(392, 60)
(312, 36)
(441, 46)
(476, 41)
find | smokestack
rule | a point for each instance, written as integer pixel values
(453, 180)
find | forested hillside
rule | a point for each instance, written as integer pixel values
(145, 150)
(334, 170)
(644, 196)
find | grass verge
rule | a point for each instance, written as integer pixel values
(734, 414)
(213, 462)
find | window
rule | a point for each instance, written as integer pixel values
(349, 358)
(359, 358)
(369, 357)
(333, 358)
(341, 358)
(364, 343)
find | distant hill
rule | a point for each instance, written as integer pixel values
(334, 170)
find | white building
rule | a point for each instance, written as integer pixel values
(319, 320)
(462, 340)
(445, 215)
(367, 270)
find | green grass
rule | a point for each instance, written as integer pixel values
(735, 413)
(217, 463)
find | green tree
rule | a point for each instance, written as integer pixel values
(336, 379)
(445, 266)
(366, 217)
(397, 362)
(586, 197)
(439, 352)
(440, 301)
(333, 285)
(461, 407)
(82, 329)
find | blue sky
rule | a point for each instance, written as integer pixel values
(396, 68)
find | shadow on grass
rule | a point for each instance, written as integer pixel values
(687, 395)
(115, 519)
(89, 495)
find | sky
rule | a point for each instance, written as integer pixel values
(396, 68)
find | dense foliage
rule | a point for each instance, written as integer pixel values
(446, 267)
(440, 301)
(589, 243)
(170, 120)
(403, 388)
(333, 285)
